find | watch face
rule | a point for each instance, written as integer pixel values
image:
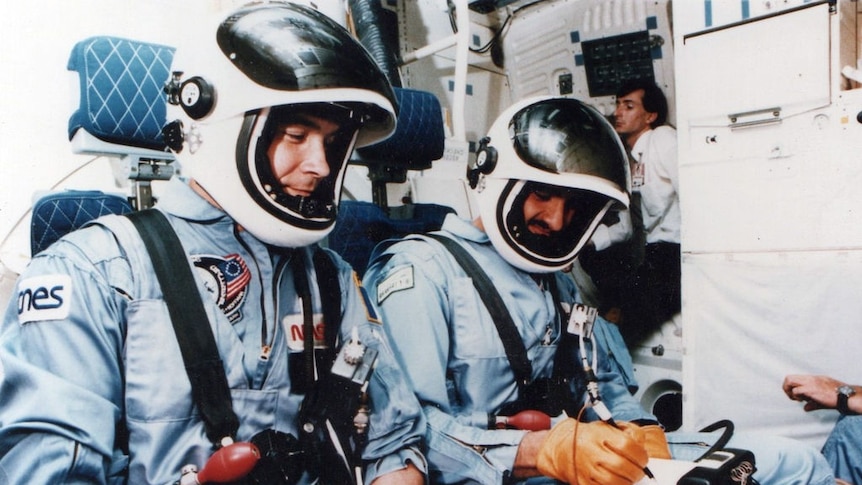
(846, 390)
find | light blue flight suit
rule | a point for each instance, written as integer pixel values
(459, 369)
(96, 348)
(843, 448)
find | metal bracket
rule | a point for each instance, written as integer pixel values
(759, 117)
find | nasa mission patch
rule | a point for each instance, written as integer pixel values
(227, 278)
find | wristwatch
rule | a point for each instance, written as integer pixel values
(844, 393)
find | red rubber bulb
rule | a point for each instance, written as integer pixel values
(230, 463)
(530, 420)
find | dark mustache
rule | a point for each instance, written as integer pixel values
(540, 224)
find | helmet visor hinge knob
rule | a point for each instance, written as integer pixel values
(172, 87)
(173, 135)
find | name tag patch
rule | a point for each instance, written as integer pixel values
(295, 333)
(399, 279)
(46, 297)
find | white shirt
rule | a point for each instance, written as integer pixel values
(655, 175)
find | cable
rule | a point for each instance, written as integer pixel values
(52, 187)
(494, 39)
(585, 332)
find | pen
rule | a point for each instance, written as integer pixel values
(605, 415)
(582, 323)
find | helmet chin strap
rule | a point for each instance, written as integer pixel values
(313, 208)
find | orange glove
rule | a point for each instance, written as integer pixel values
(655, 442)
(600, 454)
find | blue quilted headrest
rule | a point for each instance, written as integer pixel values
(121, 85)
(58, 213)
(361, 225)
(418, 138)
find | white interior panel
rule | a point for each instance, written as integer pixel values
(784, 187)
(755, 318)
(757, 65)
(545, 41)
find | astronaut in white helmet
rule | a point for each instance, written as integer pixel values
(529, 387)
(558, 145)
(266, 106)
(265, 68)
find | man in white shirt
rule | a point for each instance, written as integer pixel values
(650, 292)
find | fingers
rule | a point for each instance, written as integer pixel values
(627, 456)
(794, 386)
(624, 463)
(797, 393)
(788, 385)
(798, 387)
(628, 451)
(818, 392)
(604, 475)
(812, 406)
(609, 455)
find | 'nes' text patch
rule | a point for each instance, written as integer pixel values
(43, 298)
(399, 279)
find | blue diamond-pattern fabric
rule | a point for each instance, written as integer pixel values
(361, 225)
(56, 214)
(121, 90)
(418, 136)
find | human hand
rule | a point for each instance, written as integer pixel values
(593, 453)
(818, 392)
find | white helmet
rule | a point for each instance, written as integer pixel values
(232, 84)
(558, 142)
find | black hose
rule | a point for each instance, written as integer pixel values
(377, 30)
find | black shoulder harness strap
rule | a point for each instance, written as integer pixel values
(330, 297)
(330, 294)
(509, 335)
(210, 390)
(564, 360)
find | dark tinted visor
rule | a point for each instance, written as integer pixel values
(295, 48)
(564, 136)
